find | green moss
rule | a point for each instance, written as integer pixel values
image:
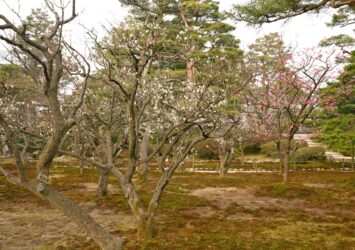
(291, 191)
(306, 235)
(328, 226)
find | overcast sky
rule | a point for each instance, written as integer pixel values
(303, 31)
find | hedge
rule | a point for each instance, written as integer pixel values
(309, 154)
(270, 148)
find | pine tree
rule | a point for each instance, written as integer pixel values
(337, 118)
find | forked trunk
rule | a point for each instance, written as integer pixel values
(145, 228)
(144, 219)
(143, 222)
(50, 150)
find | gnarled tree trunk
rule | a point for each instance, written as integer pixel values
(102, 187)
(225, 156)
(224, 162)
(143, 153)
(103, 181)
(135, 204)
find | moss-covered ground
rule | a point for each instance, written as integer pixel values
(251, 211)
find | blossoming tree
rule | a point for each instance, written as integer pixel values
(286, 91)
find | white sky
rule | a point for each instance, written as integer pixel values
(303, 31)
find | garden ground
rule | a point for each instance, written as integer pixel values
(198, 211)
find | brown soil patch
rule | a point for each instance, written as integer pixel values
(92, 187)
(246, 198)
(224, 197)
(203, 211)
(241, 217)
(64, 159)
(57, 176)
(317, 185)
(36, 227)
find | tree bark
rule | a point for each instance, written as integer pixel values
(50, 150)
(102, 188)
(24, 158)
(149, 226)
(81, 166)
(145, 227)
(103, 181)
(225, 153)
(286, 161)
(286, 168)
(143, 153)
(135, 204)
(281, 158)
(5, 150)
(145, 218)
(190, 68)
(224, 162)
